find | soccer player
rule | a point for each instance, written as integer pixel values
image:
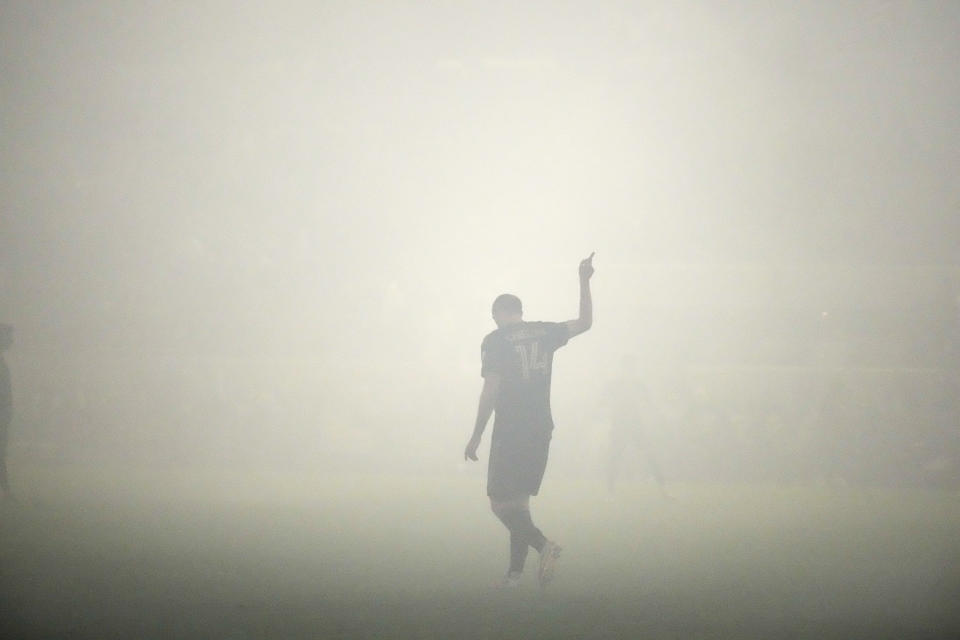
(6, 406)
(517, 361)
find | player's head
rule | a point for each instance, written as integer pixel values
(6, 336)
(507, 310)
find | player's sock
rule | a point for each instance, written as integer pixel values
(518, 552)
(520, 522)
(536, 539)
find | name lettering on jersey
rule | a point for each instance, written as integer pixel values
(525, 334)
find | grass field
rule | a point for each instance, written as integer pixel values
(111, 553)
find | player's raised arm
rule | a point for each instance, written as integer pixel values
(585, 321)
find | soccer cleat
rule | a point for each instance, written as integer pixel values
(548, 562)
(510, 581)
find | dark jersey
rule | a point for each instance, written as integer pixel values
(522, 354)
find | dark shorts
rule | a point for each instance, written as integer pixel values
(518, 458)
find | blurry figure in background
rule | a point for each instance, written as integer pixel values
(517, 362)
(6, 407)
(630, 411)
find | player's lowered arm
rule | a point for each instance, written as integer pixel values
(488, 400)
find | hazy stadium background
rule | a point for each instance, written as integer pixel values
(249, 252)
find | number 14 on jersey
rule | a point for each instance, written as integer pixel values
(531, 359)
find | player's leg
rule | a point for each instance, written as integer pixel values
(512, 455)
(534, 470)
(501, 489)
(515, 474)
(514, 513)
